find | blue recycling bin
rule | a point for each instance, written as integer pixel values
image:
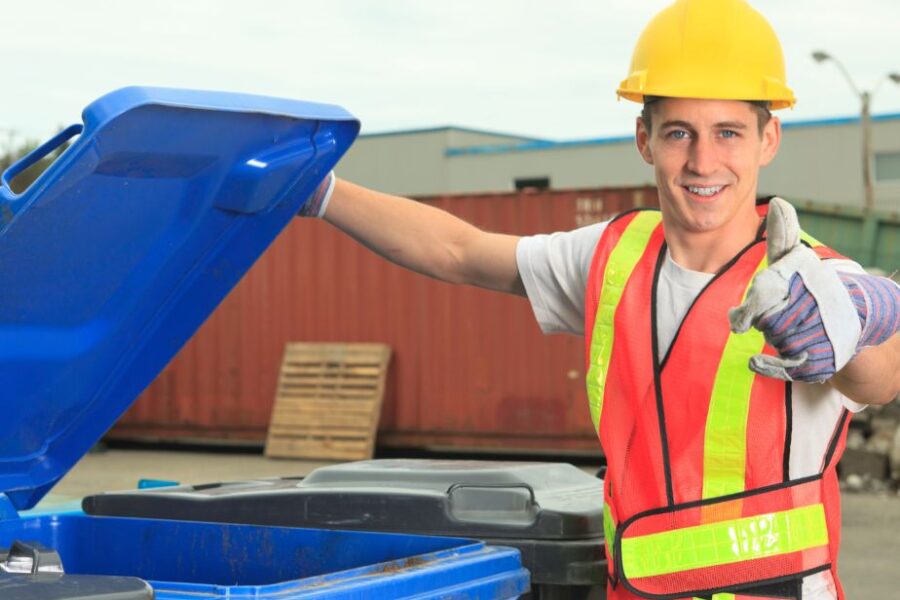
(108, 264)
(185, 560)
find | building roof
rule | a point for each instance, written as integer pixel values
(448, 128)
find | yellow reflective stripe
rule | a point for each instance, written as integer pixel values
(813, 242)
(609, 530)
(725, 445)
(719, 597)
(725, 542)
(622, 260)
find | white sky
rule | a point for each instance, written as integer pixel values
(547, 69)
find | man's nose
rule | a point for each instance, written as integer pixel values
(703, 159)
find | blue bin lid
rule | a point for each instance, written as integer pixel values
(113, 258)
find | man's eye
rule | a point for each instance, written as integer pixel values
(729, 133)
(678, 134)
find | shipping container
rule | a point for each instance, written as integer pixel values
(470, 368)
(870, 238)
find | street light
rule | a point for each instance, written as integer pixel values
(7, 147)
(865, 99)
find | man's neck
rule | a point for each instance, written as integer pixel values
(709, 251)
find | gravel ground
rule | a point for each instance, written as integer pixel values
(870, 551)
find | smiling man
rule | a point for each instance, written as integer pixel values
(726, 349)
(707, 155)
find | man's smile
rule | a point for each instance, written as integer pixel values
(704, 193)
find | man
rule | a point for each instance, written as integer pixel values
(725, 348)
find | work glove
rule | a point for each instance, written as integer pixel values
(317, 203)
(816, 318)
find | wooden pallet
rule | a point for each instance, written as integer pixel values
(328, 401)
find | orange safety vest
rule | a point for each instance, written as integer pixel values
(698, 499)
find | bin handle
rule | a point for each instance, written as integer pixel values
(504, 486)
(37, 154)
(32, 558)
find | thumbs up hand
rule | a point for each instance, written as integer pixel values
(801, 306)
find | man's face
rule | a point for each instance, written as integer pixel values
(707, 155)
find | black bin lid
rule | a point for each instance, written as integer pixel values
(482, 499)
(551, 512)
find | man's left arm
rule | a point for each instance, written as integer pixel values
(873, 375)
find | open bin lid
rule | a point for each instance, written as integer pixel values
(122, 248)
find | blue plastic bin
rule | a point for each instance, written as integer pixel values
(110, 261)
(189, 560)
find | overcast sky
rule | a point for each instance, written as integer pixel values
(547, 69)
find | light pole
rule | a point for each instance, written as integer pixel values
(7, 147)
(865, 100)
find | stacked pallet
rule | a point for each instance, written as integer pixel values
(328, 401)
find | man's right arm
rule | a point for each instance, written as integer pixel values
(425, 239)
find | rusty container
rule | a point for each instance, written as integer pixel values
(470, 369)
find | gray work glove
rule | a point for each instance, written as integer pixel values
(801, 306)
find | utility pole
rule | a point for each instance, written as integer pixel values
(866, 122)
(865, 101)
(7, 147)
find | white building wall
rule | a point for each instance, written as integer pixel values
(824, 164)
(410, 163)
(574, 166)
(819, 162)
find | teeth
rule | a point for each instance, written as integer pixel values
(705, 191)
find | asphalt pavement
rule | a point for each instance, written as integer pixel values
(870, 547)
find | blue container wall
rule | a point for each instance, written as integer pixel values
(213, 554)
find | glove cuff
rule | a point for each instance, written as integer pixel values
(317, 203)
(877, 302)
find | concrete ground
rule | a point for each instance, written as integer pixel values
(870, 552)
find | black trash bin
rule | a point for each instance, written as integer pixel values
(551, 512)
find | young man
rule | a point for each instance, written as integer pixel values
(725, 348)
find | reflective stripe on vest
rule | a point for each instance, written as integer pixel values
(622, 261)
(609, 530)
(818, 247)
(725, 542)
(725, 445)
(821, 249)
(813, 242)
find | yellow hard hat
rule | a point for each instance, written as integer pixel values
(712, 49)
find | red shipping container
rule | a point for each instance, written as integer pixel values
(470, 368)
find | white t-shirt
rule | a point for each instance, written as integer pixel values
(555, 268)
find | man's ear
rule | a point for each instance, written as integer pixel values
(771, 141)
(642, 140)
